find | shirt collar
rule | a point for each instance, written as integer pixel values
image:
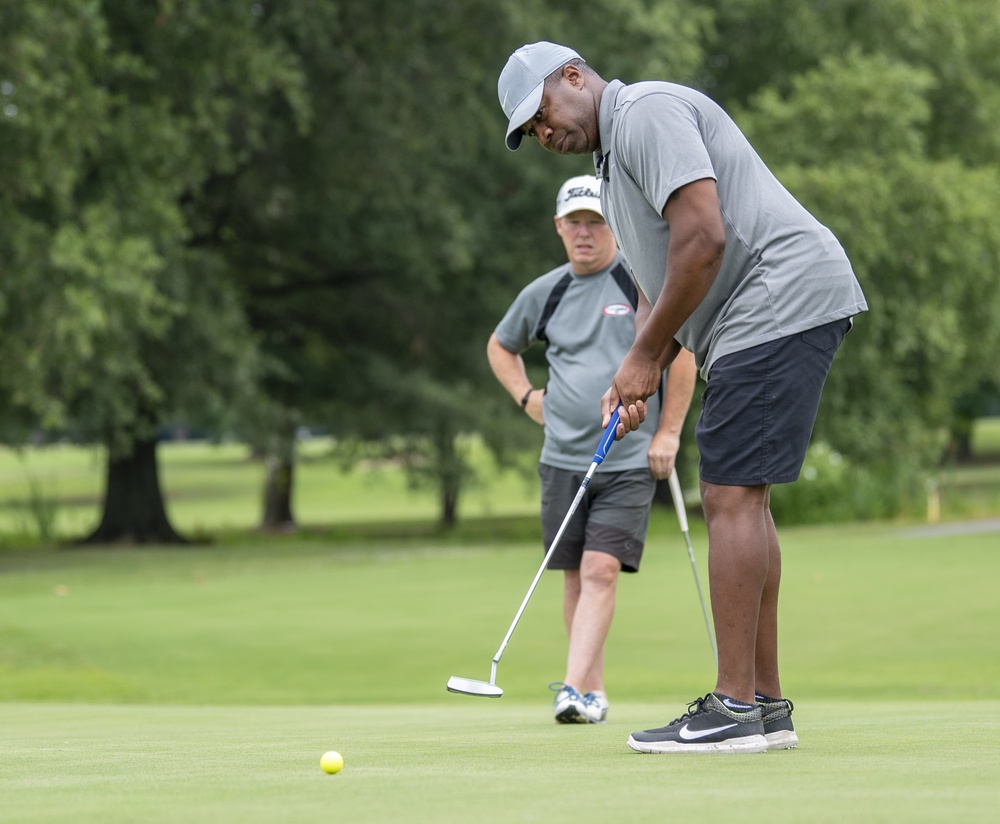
(606, 116)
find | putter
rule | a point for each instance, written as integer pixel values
(489, 689)
(675, 492)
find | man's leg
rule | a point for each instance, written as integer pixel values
(737, 571)
(777, 712)
(766, 656)
(589, 618)
(738, 559)
(571, 595)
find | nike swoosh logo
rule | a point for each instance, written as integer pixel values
(694, 735)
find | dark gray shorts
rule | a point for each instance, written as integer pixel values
(612, 517)
(760, 405)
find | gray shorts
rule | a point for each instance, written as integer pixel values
(612, 517)
(760, 405)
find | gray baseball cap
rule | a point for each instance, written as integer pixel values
(522, 82)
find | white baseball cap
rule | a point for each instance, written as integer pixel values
(522, 83)
(583, 192)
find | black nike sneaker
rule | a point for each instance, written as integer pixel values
(709, 725)
(777, 718)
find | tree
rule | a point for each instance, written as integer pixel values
(923, 237)
(119, 116)
(377, 249)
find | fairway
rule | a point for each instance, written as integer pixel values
(203, 684)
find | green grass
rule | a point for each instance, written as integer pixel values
(485, 761)
(217, 488)
(869, 613)
(203, 684)
(986, 438)
(973, 490)
(210, 488)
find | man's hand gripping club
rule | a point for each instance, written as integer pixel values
(637, 378)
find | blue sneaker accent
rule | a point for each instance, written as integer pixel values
(597, 707)
(569, 706)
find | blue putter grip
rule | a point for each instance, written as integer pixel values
(607, 438)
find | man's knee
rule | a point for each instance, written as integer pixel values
(718, 500)
(599, 569)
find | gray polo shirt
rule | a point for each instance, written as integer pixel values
(782, 272)
(588, 335)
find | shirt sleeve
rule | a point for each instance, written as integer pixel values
(662, 146)
(516, 330)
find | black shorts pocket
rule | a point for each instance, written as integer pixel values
(828, 336)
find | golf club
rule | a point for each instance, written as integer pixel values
(489, 689)
(675, 492)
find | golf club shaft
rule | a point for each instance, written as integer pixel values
(675, 492)
(555, 542)
(607, 439)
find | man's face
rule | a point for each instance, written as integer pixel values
(590, 245)
(566, 120)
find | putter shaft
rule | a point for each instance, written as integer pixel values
(675, 492)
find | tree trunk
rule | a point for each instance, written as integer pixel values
(133, 504)
(450, 470)
(278, 494)
(962, 446)
(449, 507)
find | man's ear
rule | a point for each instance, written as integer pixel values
(573, 75)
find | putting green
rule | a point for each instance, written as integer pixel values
(486, 761)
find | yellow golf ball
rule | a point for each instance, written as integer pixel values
(331, 762)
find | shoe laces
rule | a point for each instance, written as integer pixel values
(694, 708)
(559, 686)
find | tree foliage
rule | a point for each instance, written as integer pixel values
(378, 249)
(263, 215)
(113, 319)
(857, 139)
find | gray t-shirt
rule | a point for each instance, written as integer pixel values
(782, 272)
(588, 335)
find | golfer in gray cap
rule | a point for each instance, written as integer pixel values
(731, 267)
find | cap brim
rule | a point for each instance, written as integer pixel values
(582, 204)
(522, 114)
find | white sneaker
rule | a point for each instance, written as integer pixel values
(569, 706)
(596, 704)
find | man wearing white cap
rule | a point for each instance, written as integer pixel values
(732, 268)
(583, 312)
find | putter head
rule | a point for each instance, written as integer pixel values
(470, 686)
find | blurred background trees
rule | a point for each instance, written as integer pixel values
(248, 218)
